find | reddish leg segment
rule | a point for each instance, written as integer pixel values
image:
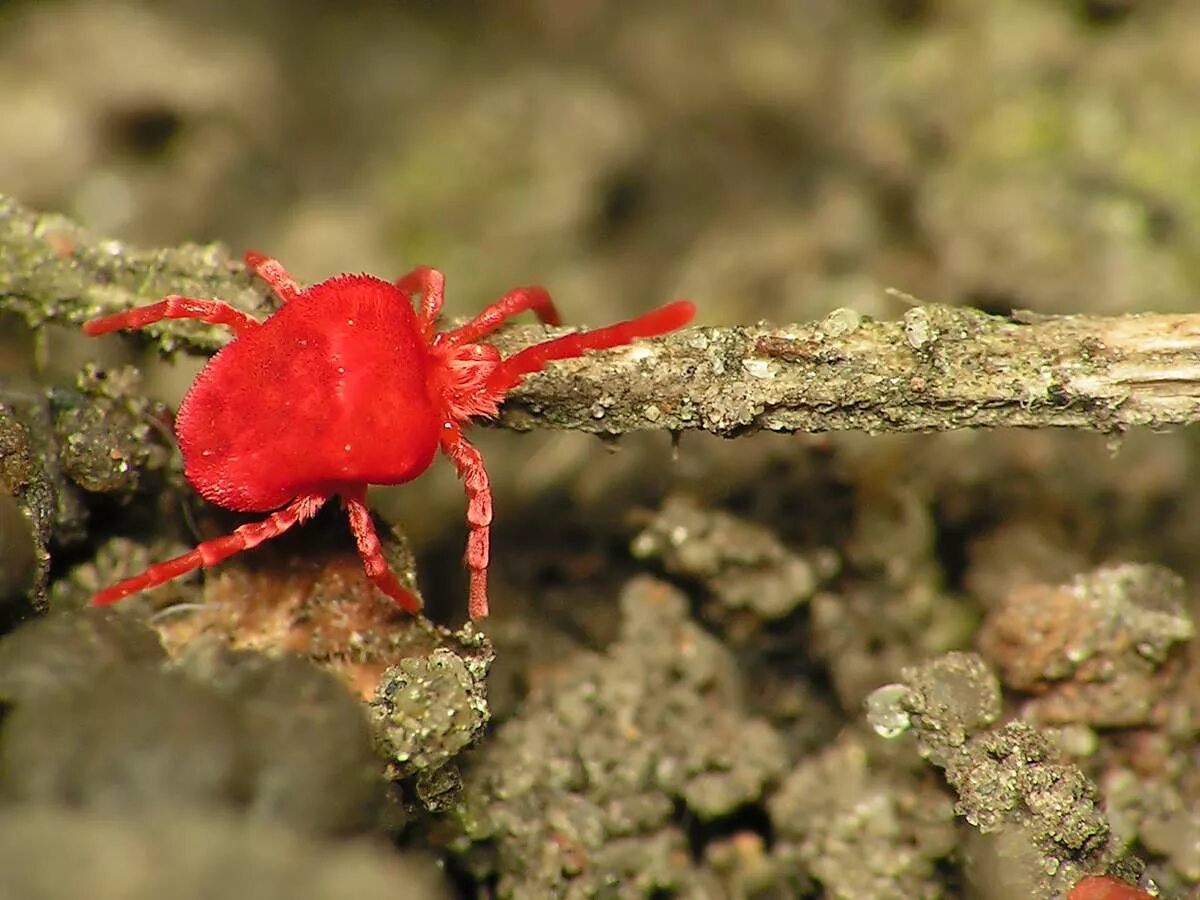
(371, 552)
(214, 312)
(212, 552)
(1105, 887)
(470, 468)
(273, 273)
(431, 285)
(511, 304)
(532, 359)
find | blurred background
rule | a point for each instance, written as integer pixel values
(770, 160)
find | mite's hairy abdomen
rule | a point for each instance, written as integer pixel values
(332, 389)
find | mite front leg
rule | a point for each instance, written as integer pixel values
(532, 359)
(470, 468)
(511, 304)
(214, 312)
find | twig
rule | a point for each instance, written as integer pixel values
(52, 271)
(938, 368)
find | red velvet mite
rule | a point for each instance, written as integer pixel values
(347, 386)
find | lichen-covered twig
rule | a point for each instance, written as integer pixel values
(52, 271)
(938, 368)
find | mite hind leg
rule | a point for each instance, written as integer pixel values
(274, 274)
(212, 552)
(214, 312)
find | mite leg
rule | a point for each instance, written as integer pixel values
(431, 285)
(214, 312)
(212, 552)
(662, 320)
(511, 304)
(273, 273)
(372, 553)
(470, 468)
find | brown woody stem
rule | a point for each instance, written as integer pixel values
(937, 368)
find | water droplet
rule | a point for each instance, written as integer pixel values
(886, 712)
